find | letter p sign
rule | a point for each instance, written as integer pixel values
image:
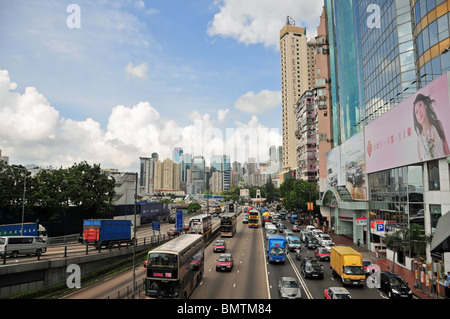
(74, 279)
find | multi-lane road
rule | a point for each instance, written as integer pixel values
(252, 276)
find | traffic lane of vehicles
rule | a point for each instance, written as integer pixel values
(315, 287)
(246, 280)
(78, 249)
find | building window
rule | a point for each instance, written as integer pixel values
(433, 176)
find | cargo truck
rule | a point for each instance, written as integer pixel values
(29, 229)
(276, 249)
(106, 232)
(346, 263)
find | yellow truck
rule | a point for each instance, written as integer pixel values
(346, 263)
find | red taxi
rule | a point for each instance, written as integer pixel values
(224, 263)
(219, 246)
(323, 253)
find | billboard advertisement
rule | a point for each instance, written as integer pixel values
(346, 166)
(334, 167)
(414, 131)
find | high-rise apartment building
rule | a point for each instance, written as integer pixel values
(167, 176)
(294, 82)
(306, 137)
(147, 174)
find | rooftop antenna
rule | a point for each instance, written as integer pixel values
(290, 21)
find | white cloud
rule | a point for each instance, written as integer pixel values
(32, 131)
(258, 103)
(138, 71)
(260, 21)
(222, 114)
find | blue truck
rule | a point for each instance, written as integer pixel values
(293, 218)
(29, 229)
(276, 249)
(106, 232)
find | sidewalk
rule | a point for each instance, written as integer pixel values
(386, 265)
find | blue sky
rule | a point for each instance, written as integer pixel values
(133, 76)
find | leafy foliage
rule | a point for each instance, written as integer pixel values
(81, 185)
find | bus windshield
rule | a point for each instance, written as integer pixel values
(162, 289)
(162, 260)
(277, 251)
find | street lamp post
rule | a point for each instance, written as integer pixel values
(134, 237)
(23, 202)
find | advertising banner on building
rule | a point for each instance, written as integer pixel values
(346, 166)
(416, 130)
(334, 167)
(353, 166)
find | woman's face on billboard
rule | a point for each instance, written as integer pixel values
(420, 110)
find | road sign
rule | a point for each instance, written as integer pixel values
(156, 226)
(380, 227)
(179, 221)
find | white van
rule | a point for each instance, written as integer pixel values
(21, 245)
(271, 230)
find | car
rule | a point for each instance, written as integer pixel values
(325, 240)
(303, 234)
(394, 285)
(186, 227)
(219, 246)
(312, 243)
(287, 233)
(323, 253)
(281, 228)
(366, 264)
(289, 288)
(296, 228)
(336, 293)
(293, 242)
(224, 263)
(310, 228)
(317, 233)
(245, 220)
(311, 268)
(355, 173)
(173, 232)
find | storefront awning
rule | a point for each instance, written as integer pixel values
(441, 237)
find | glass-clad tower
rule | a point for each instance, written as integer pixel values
(345, 64)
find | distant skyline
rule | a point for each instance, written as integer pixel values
(111, 81)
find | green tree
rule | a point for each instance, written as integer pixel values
(396, 241)
(90, 189)
(192, 207)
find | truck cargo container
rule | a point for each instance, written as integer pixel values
(276, 249)
(29, 229)
(346, 263)
(104, 232)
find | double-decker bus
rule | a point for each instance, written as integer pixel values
(228, 225)
(253, 218)
(201, 224)
(175, 268)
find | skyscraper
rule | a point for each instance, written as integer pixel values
(294, 81)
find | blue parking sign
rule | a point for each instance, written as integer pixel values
(380, 227)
